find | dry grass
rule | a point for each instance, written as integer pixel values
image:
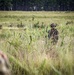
(29, 50)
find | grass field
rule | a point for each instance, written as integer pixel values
(24, 38)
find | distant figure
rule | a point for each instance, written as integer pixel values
(4, 64)
(53, 34)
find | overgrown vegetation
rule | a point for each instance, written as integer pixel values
(30, 51)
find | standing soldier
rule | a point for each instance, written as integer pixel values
(53, 34)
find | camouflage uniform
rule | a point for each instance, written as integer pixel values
(53, 34)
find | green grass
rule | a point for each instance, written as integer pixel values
(29, 49)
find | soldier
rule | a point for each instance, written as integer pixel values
(53, 33)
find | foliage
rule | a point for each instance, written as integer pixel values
(5, 4)
(37, 5)
(30, 51)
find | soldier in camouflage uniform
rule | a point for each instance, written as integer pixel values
(53, 34)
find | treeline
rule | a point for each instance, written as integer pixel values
(37, 5)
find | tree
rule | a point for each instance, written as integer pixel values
(47, 5)
(5, 4)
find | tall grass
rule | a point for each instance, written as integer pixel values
(30, 51)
